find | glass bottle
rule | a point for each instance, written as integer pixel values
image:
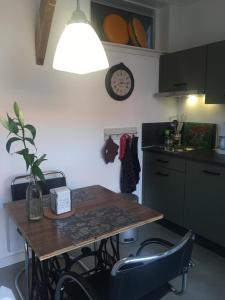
(34, 200)
(168, 142)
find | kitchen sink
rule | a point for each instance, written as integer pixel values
(171, 149)
(184, 149)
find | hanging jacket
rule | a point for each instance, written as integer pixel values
(110, 150)
(127, 173)
(134, 152)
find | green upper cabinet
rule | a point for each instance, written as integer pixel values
(215, 77)
(183, 70)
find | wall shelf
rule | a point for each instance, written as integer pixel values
(112, 47)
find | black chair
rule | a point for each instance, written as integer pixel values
(134, 278)
(53, 179)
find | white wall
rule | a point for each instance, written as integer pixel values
(162, 27)
(194, 25)
(69, 111)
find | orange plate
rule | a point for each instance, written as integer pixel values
(115, 29)
(139, 32)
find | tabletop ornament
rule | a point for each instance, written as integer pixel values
(21, 133)
(60, 200)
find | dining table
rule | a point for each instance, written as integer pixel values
(97, 214)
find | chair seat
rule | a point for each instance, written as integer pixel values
(159, 293)
(99, 282)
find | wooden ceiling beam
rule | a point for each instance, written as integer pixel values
(44, 22)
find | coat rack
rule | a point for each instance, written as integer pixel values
(116, 133)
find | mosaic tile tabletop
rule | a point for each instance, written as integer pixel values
(85, 225)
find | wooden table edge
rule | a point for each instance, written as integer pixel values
(96, 239)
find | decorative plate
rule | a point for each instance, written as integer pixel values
(137, 33)
(115, 29)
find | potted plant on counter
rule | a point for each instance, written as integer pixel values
(24, 135)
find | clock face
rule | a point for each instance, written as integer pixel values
(119, 82)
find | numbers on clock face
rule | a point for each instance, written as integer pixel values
(121, 82)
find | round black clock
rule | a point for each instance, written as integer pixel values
(119, 82)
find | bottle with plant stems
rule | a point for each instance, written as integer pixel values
(34, 200)
(24, 134)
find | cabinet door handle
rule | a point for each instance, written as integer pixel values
(180, 84)
(162, 174)
(163, 161)
(211, 173)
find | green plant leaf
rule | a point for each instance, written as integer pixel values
(23, 151)
(40, 160)
(36, 171)
(32, 130)
(31, 141)
(25, 154)
(18, 113)
(10, 141)
(12, 125)
(30, 158)
(4, 123)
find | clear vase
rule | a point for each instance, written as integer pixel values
(34, 200)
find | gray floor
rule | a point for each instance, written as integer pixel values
(206, 280)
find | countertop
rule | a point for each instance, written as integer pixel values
(205, 156)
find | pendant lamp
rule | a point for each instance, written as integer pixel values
(79, 49)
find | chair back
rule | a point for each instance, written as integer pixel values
(134, 278)
(54, 179)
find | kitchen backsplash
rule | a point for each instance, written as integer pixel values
(194, 134)
(201, 112)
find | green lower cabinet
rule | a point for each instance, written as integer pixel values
(163, 190)
(188, 193)
(204, 208)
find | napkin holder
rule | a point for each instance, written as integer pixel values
(60, 200)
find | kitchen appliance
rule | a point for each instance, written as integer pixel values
(180, 94)
(222, 142)
(130, 235)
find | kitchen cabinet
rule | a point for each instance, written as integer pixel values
(190, 193)
(164, 185)
(183, 70)
(204, 207)
(215, 77)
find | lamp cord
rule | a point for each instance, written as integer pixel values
(78, 4)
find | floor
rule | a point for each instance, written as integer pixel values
(205, 281)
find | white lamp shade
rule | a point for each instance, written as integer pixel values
(79, 50)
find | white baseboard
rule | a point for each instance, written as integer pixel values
(12, 259)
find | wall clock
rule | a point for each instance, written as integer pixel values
(119, 82)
